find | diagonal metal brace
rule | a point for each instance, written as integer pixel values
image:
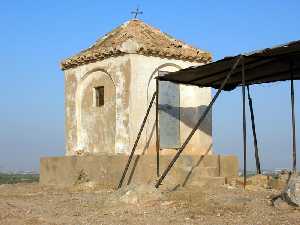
(256, 154)
(208, 108)
(136, 142)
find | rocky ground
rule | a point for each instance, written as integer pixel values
(87, 204)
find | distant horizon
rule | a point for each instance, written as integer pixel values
(38, 36)
(38, 172)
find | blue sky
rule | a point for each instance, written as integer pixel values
(37, 35)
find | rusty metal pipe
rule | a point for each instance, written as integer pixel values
(256, 154)
(136, 141)
(293, 119)
(157, 129)
(244, 122)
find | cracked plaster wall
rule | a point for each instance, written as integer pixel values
(129, 86)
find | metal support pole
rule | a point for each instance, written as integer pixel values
(136, 141)
(258, 170)
(293, 118)
(157, 128)
(244, 122)
(208, 108)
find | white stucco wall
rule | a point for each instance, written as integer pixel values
(132, 76)
(192, 99)
(118, 69)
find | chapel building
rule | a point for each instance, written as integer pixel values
(108, 88)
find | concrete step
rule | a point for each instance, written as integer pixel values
(207, 181)
(195, 176)
(208, 171)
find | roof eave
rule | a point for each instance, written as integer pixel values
(74, 62)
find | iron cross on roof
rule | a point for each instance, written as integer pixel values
(137, 12)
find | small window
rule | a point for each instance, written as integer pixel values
(99, 96)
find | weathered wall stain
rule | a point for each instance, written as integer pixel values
(128, 79)
(129, 84)
(95, 131)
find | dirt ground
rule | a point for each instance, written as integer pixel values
(89, 205)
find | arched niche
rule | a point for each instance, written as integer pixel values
(96, 113)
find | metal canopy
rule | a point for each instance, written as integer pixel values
(264, 66)
(269, 65)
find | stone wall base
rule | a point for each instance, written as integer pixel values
(106, 170)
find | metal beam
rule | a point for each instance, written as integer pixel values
(208, 108)
(136, 141)
(293, 118)
(244, 123)
(224, 71)
(249, 66)
(256, 60)
(258, 170)
(157, 128)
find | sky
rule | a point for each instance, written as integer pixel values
(37, 35)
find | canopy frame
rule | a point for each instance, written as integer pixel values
(201, 119)
(282, 56)
(239, 67)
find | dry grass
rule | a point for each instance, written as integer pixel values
(33, 205)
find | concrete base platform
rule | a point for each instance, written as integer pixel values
(106, 170)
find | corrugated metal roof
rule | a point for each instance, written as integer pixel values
(263, 66)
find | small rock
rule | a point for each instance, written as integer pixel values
(293, 190)
(282, 205)
(134, 194)
(166, 203)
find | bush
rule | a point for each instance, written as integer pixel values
(18, 178)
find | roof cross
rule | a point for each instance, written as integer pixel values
(137, 12)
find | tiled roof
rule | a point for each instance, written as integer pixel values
(135, 36)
